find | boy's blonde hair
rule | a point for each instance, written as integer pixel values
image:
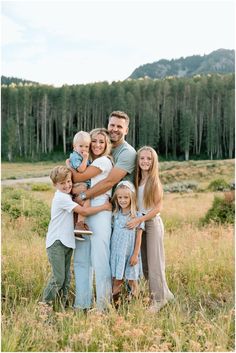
(59, 174)
(153, 191)
(133, 199)
(104, 132)
(81, 136)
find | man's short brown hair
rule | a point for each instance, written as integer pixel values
(121, 115)
(59, 174)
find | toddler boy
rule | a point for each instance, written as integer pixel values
(79, 160)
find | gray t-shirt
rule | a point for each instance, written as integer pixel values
(124, 157)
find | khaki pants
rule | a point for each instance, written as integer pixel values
(59, 257)
(153, 259)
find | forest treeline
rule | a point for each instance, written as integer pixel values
(179, 117)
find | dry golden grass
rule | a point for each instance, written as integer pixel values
(201, 171)
(187, 206)
(27, 170)
(200, 273)
(199, 267)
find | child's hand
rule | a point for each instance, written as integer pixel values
(68, 163)
(133, 260)
(85, 154)
(133, 223)
(107, 206)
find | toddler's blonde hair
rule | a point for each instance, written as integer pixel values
(82, 136)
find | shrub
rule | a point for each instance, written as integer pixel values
(218, 185)
(184, 186)
(19, 203)
(41, 187)
(222, 211)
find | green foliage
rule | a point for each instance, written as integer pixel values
(222, 211)
(39, 121)
(19, 203)
(9, 80)
(185, 186)
(41, 187)
(218, 185)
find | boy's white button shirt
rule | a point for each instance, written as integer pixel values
(61, 226)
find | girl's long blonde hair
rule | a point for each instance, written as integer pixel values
(133, 199)
(153, 191)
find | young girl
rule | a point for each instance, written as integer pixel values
(125, 243)
(150, 195)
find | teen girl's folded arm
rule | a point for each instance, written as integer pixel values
(152, 213)
(87, 211)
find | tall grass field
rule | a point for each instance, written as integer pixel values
(199, 270)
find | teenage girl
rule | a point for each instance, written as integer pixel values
(125, 243)
(150, 196)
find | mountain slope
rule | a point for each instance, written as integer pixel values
(219, 61)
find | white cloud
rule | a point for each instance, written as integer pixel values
(75, 42)
(11, 31)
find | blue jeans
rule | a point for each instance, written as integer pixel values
(93, 256)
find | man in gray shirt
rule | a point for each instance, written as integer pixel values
(124, 156)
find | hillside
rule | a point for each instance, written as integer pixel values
(221, 61)
(8, 80)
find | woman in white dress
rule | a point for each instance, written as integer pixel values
(93, 254)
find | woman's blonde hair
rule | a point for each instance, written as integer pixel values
(153, 191)
(133, 199)
(103, 132)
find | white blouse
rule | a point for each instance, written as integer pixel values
(140, 200)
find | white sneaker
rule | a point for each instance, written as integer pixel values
(157, 306)
(79, 237)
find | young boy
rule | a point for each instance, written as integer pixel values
(79, 160)
(60, 240)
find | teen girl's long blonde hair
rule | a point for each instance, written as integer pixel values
(153, 191)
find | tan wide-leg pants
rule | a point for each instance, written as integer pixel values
(153, 259)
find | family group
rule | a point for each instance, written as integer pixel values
(106, 213)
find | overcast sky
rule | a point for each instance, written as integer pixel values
(64, 42)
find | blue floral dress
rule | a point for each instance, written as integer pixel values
(122, 248)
